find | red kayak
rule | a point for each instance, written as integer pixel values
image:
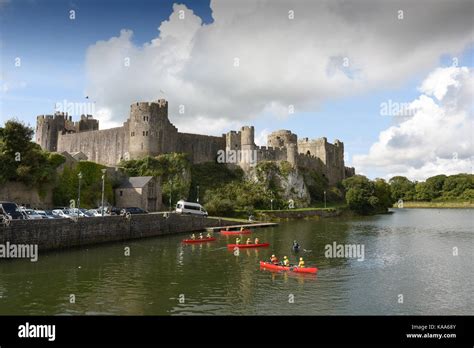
(230, 233)
(204, 240)
(292, 268)
(259, 245)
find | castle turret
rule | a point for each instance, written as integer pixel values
(233, 140)
(146, 128)
(47, 128)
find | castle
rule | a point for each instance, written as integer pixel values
(148, 131)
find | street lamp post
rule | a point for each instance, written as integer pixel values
(197, 200)
(171, 192)
(79, 193)
(324, 199)
(103, 189)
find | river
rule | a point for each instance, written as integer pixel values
(416, 261)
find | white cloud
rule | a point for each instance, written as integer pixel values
(438, 139)
(330, 49)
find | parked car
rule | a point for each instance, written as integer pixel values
(183, 207)
(31, 214)
(11, 210)
(62, 213)
(133, 210)
(97, 212)
(115, 211)
(45, 214)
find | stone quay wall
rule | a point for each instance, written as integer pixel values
(51, 234)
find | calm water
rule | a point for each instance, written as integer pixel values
(409, 252)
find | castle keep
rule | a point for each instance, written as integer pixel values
(149, 132)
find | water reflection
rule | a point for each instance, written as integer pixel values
(404, 253)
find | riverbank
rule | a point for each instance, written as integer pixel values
(303, 213)
(51, 234)
(445, 205)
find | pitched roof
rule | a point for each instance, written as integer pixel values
(135, 181)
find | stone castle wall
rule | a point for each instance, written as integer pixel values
(108, 146)
(201, 148)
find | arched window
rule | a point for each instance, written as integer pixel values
(308, 153)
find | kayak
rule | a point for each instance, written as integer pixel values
(284, 268)
(229, 233)
(204, 240)
(259, 245)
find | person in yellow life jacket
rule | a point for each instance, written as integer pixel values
(256, 240)
(248, 241)
(286, 262)
(208, 235)
(200, 236)
(301, 263)
(237, 241)
(274, 260)
(193, 236)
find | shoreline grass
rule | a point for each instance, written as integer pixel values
(446, 205)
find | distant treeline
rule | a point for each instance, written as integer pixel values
(366, 196)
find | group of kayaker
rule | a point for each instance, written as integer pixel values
(249, 241)
(286, 262)
(193, 236)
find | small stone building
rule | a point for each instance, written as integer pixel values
(140, 191)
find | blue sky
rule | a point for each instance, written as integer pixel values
(53, 49)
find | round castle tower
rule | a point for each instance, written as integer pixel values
(281, 138)
(146, 128)
(247, 143)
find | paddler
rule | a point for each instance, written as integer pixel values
(274, 260)
(248, 241)
(237, 241)
(208, 235)
(286, 262)
(200, 236)
(301, 263)
(256, 240)
(241, 228)
(193, 236)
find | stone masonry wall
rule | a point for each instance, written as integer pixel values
(201, 148)
(106, 146)
(64, 233)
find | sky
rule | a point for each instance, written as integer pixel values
(393, 80)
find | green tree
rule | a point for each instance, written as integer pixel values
(360, 194)
(23, 160)
(402, 188)
(91, 185)
(455, 185)
(367, 197)
(383, 193)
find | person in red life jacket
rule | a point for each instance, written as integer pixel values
(274, 260)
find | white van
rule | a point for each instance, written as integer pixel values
(183, 207)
